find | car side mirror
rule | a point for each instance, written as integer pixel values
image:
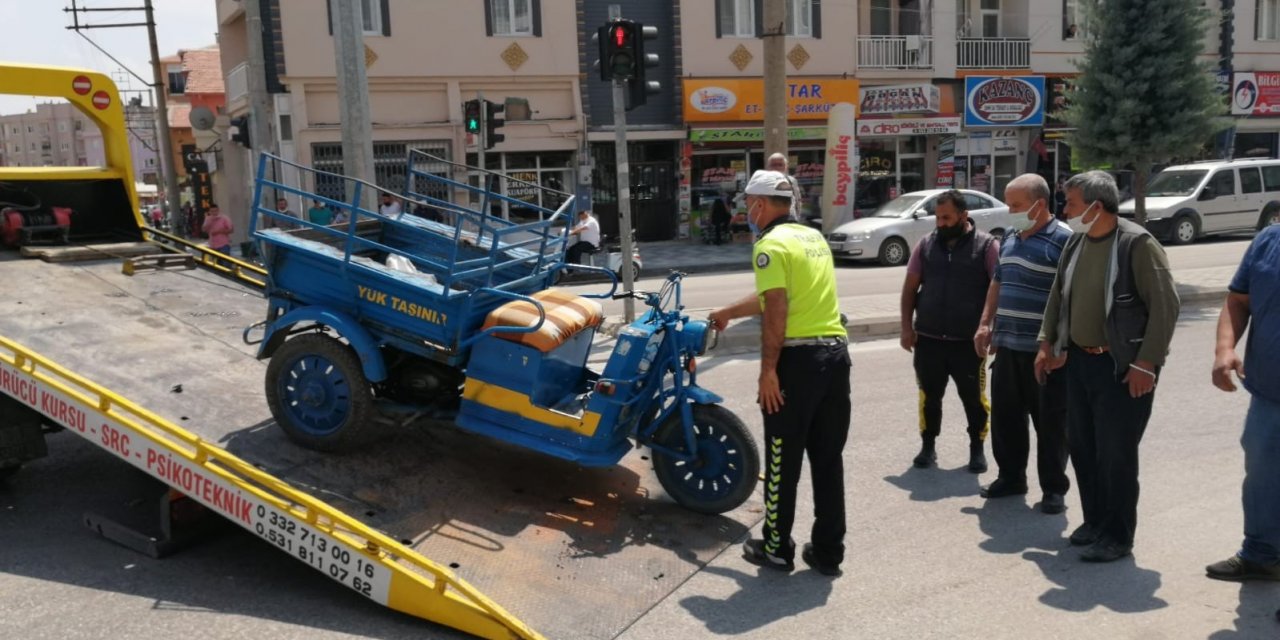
(1208, 193)
(915, 215)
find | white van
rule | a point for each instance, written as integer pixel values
(1189, 201)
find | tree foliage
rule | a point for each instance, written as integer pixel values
(1145, 94)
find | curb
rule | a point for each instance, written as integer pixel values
(746, 334)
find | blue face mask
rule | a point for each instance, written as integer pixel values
(755, 229)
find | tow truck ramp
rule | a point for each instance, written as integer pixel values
(322, 537)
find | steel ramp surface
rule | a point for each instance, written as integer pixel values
(571, 552)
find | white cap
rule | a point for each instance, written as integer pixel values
(769, 183)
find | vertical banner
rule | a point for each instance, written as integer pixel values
(689, 222)
(841, 167)
(946, 163)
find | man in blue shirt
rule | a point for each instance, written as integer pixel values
(1255, 296)
(1014, 309)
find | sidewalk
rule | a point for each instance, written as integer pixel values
(660, 258)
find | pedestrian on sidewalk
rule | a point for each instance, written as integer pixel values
(948, 277)
(778, 162)
(219, 228)
(1110, 319)
(1009, 328)
(720, 216)
(320, 214)
(804, 389)
(1254, 298)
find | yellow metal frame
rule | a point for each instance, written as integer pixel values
(56, 82)
(418, 586)
(246, 272)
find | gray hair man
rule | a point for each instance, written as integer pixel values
(1109, 320)
(778, 162)
(1009, 328)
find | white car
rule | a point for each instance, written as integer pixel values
(893, 230)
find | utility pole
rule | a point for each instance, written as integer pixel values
(260, 111)
(353, 91)
(167, 166)
(775, 77)
(624, 191)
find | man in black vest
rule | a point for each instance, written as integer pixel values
(946, 287)
(1110, 318)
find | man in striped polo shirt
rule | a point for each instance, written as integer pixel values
(1016, 303)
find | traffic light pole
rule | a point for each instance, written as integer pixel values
(624, 191)
(480, 144)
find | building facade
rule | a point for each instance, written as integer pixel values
(54, 134)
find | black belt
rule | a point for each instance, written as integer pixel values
(817, 341)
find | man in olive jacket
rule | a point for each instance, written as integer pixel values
(1110, 318)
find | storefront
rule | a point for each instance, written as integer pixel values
(1255, 104)
(1002, 120)
(901, 129)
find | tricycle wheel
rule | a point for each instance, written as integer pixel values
(318, 393)
(726, 469)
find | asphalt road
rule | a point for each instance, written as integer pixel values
(927, 558)
(855, 279)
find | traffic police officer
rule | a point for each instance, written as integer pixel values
(804, 377)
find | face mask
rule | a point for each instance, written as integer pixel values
(755, 229)
(1022, 220)
(951, 232)
(1078, 224)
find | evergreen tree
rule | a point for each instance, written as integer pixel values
(1144, 94)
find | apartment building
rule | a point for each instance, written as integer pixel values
(948, 93)
(51, 135)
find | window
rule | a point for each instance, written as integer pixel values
(511, 17)
(1250, 180)
(1271, 176)
(62, 126)
(975, 202)
(800, 18)
(738, 18)
(177, 79)
(286, 127)
(1223, 183)
(881, 18)
(371, 11)
(990, 18)
(1268, 20)
(64, 146)
(1072, 19)
(33, 146)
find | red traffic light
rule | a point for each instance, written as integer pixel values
(620, 36)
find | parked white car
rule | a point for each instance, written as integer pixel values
(893, 230)
(1190, 201)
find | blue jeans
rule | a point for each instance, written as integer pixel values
(1261, 442)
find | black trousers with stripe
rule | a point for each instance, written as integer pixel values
(814, 419)
(937, 360)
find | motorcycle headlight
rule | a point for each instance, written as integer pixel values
(696, 336)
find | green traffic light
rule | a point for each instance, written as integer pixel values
(473, 125)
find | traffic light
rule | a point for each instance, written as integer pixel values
(639, 86)
(471, 115)
(492, 123)
(240, 131)
(617, 50)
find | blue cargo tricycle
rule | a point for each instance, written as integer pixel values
(445, 311)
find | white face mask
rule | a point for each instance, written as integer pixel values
(1022, 220)
(1078, 224)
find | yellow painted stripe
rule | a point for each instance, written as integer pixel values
(982, 395)
(504, 399)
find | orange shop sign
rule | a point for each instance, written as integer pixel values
(730, 99)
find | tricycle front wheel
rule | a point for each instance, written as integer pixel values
(318, 393)
(726, 470)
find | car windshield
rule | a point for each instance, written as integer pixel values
(1175, 183)
(898, 207)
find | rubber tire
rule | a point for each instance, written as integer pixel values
(360, 397)
(902, 249)
(998, 234)
(1175, 237)
(635, 272)
(711, 420)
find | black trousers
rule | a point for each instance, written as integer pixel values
(814, 419)
(1016, 396)
(721, 230)
(936, 361)
(574, 254)
(1105, 426)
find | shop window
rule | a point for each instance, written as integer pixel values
(539, 179)
(1073, 20)
(737, 18)
(513, 17)
(1268, 20)
(1250, 180)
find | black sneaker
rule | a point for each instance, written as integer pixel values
(1084, 535)
(1002, 488)
(977, 458)
(1105, 551)
(824, 568)
(1053, 503)
(928, 456)
(1237, 569)
(753, 552)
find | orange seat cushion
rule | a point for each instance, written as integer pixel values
(567, 314)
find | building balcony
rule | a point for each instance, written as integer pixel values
(993, 53)
(237, 83)
(895, 52)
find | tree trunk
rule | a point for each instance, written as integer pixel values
(1140, 197)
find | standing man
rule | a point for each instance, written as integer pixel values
(1255, 295)
(282, 207)
(721, 216)
(778, 162)
(804, 377)
(1110, 319)
(948, 276)
(389, 206)
(1015, 303)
